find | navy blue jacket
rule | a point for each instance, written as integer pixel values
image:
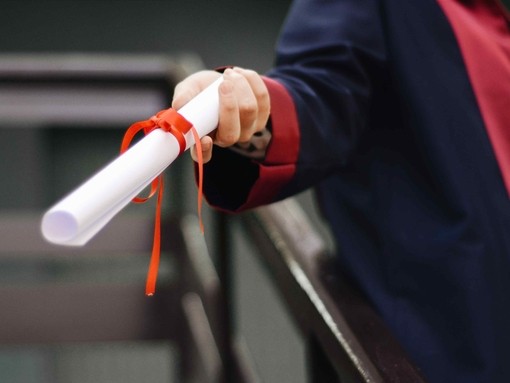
(380, 106)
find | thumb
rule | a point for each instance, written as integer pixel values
(207, 146)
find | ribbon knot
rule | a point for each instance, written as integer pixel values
(174, 123)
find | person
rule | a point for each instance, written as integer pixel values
(397, 114)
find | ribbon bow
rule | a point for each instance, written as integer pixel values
(172, 122)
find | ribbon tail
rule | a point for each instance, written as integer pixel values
(200, 159)
(172, 122)
(152, 274)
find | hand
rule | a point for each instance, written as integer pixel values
(244, 106)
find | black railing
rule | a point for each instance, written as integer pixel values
(347, 339)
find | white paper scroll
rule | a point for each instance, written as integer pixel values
(83, 213)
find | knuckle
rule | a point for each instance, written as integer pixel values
(250, 73)
(248, 108)
(227, 137)
(229, 106)
(246, 135)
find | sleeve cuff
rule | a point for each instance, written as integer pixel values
(279, 165)
(234, 184)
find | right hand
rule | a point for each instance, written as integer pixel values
(244, 106)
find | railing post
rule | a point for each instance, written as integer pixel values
(224, 268)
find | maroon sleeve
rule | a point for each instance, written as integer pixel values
(234, 183)
(280, 163)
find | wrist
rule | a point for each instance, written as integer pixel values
(256, 147)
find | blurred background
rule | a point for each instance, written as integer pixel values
(222, 32)
(44, 156)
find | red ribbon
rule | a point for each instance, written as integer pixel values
(172, 122)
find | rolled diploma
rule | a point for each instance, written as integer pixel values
(83, 213)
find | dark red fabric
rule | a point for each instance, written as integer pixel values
(481, 28)
(281, 156)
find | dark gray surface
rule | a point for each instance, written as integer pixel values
(221, 32)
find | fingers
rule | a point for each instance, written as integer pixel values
(255, 111)
(229, 124)
(184, 92)
(244, 106)
(191, 86)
